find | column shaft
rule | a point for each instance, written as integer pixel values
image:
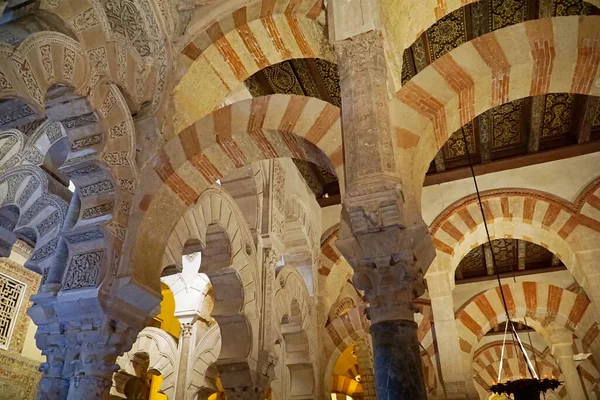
(564, 355)
(89, 388)
(184, 355)
(398, 372)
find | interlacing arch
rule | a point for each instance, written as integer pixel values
(232, 137)
(161, 350)
(493, 69)
(30, 209)
(43, 71)
(134, 54)
(18, 149)
(226, 46)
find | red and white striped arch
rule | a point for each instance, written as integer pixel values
(545, 304)
(569, 230)
(532, 58)
(486, 363)
(227, 45)
(232, 137)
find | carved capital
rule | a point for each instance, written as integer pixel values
(186, 329)
(389, 265)
(94, 346)
(375, 206)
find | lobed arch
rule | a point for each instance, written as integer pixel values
(138, 67)
(215, 224)
(489, 71)
(542, 304)
(30, 208)
(161, 350)
(202, 382)
(50, 74)
(299, 241)
(225, 46)
(295, 323)
(260, 128)
(18, 149)
(566, 229)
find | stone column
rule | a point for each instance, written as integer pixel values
(456, 371)
(93, 347)
(388, 249)
(184, 357)
(364, 353)
(562, 349)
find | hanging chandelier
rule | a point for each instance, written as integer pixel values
(523, 388)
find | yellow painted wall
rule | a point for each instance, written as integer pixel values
(154, 387)
(166, 318)
(167, 322)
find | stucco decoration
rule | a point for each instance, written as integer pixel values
(30, 210)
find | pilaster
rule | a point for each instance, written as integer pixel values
(455, 369)
(562, 349)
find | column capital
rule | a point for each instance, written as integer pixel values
(389, 266)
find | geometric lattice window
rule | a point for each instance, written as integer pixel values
(11, 294)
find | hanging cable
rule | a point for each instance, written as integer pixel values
(489, 240)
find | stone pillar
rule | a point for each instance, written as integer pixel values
(93, 346)
(388, 249)
(382, 236)
(184, 357)
(364, 353)
(562, 349)
(456, 371)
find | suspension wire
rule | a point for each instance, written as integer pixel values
(487, 232)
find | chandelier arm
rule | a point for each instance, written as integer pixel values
(489, 240)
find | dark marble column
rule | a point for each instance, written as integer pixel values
(398, 372)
